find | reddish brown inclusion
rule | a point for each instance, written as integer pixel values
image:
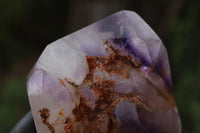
(103, 89)
(44, 113)
(107, 97)
(115, 63)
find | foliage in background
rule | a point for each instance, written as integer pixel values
(13, 102)
(185, 65)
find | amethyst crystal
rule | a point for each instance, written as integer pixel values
(110, 77)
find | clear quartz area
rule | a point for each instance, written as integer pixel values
(112, 76)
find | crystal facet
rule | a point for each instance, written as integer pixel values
(110, 77)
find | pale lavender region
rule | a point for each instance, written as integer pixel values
(112, 76)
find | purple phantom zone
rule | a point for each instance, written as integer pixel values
(110, 77)
(122, 39)
(159, 64)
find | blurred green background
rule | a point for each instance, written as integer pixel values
(27, 26)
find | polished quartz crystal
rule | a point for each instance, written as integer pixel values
(112, 76)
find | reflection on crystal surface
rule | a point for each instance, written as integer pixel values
(112, 76)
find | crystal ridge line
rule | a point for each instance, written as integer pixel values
(112, 76)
